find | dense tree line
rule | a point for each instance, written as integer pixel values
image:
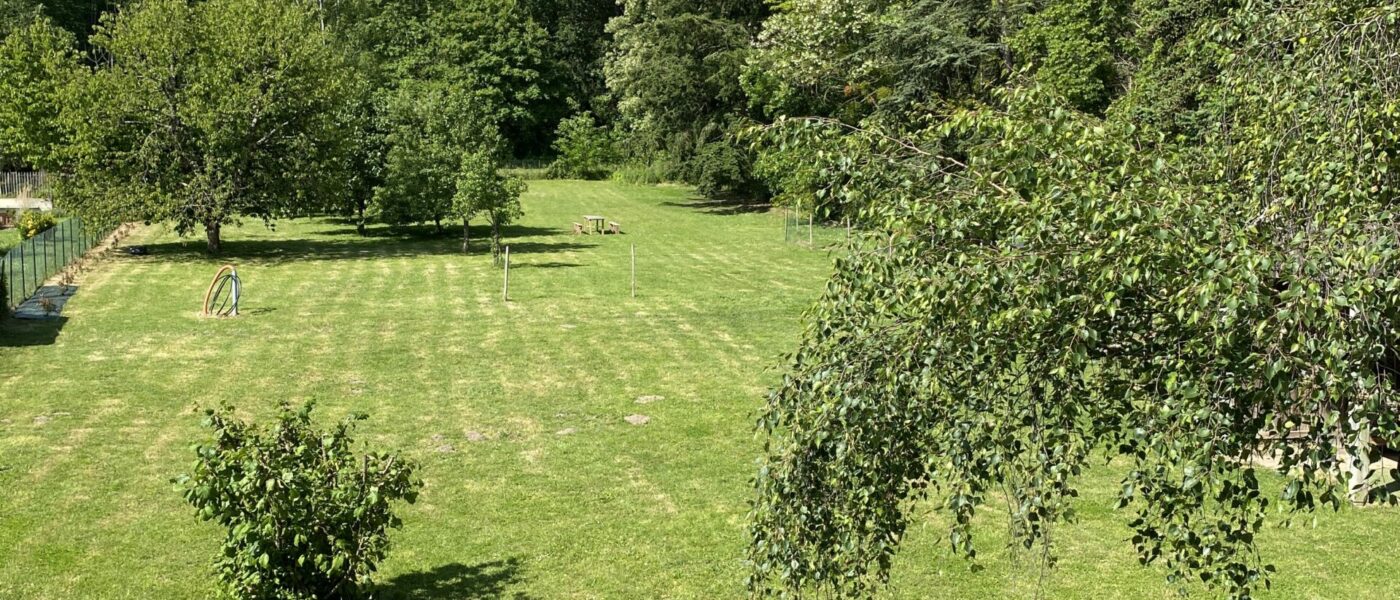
(203, 113)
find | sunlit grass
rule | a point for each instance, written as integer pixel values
(536, 487)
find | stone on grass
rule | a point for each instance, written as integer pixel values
(566, 431)
(446, 448)
(637, 419)
(475, 436)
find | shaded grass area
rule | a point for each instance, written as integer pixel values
(558, 497)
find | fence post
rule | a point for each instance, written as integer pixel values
(34, 264)
(634, 270)
(505, 286)
(23, 274)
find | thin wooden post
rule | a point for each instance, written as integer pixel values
(505, 287)
(809, 227)
(786, 236)
(634, 270)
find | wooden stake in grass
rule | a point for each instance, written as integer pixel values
(634, 270)
(505, 286)
(809, 227)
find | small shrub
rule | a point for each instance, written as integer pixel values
(586, 150)
(33, 222)
(306, 516)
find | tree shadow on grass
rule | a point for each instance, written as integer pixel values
(546, 265)
(724, 206)
(264, 252)
(450, 231)
(544, 247)
(482, 581)
(18, 333)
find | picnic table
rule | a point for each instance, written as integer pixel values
(595, 222)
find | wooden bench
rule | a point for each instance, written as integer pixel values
(578, 229)
(615, 227)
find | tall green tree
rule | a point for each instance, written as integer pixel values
(38, 69)
(571, 78)
(483, 190)
(205, 112)
(674, 72)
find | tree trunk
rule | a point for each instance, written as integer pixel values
(495, 237)
(211, 231)
(437, 221)
(360, 225)
(1358, 464)
(466, 235)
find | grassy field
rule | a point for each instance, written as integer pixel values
(536, 487)
(9, 238)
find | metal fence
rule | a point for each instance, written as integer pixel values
(36, 259)
(26, 185)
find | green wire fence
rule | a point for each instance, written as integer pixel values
(36, 259)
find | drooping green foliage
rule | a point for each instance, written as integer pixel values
(889, 62)
(307, 516)
(1039, 286)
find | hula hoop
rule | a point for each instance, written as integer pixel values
(225, 278)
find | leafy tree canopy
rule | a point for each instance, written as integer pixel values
(202, 113)
(1039, 285)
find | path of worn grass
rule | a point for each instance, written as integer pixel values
(562, 498)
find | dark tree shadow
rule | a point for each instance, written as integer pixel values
(546, 265)
(483, 581)
(539, 247)
(724, 206)
(281, 251)
(479, 229)
(381, 241)
(17, 333)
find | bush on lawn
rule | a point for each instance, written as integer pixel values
(33, 222)
(586, 150)
(306, 516)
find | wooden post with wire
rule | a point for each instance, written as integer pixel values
(634, 270)
(505, 286)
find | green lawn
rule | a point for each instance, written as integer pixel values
(562, 498)
(9, 238)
